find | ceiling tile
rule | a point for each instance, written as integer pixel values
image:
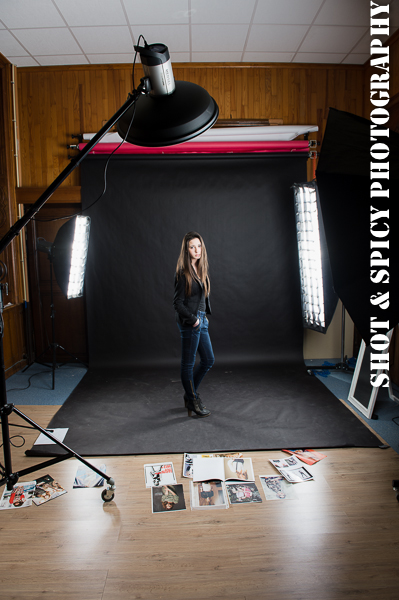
(113, 39)
(219, 57)
(180, 57)
(92, 12)
(363, 47)
(332, 39)
(25, 13)
(318, 57)
(9, 45)
(253, 31)
(106, 59)
(344, 12)
(23, 61)
(176, 37)
(156, 12)
(275, 38)
(209, 38)
(222, 11)
(394, 14)
(62, 59)
(283, 57)
(45, 41)
(356, 59)
(287, 12)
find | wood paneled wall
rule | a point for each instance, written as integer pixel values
(11, 270)
(58, 102)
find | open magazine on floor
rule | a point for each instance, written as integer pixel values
(292, 469)
(47, 489)
(188, 460)
(208, 495)
(310, 457)
(223, 468)
(20, 496)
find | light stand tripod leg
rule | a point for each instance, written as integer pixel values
(343, 364)
(53, 345)
(10, 478)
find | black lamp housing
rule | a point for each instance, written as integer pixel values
(172, 112)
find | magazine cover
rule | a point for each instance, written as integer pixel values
(208, 495)
(87, 478)
(223, 468)
(167, 498)
(310, 457)
(292, 469)
(19, 497)
(47, 489)
(276, 487)
(159, 474)
(243, 493)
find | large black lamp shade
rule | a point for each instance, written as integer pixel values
(69, 255)
(170, 119)
(168, 112)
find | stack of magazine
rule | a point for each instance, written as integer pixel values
(221, 480)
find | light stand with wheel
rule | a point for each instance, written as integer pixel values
(169, 113)
(9, 477)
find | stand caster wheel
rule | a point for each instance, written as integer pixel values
(107, 495)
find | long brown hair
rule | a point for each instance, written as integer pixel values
(185, 267)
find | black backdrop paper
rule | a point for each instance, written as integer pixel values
(242, 205)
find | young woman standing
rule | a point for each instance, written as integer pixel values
(191, 303)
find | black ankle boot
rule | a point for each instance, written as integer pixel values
(196, 406)
(187, 401)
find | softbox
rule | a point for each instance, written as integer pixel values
(344, 180)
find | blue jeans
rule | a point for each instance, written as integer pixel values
(195, 339)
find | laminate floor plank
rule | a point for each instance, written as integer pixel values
(337, 539)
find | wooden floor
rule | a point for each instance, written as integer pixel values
(338, 539)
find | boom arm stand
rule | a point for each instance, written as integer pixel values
(9, 478)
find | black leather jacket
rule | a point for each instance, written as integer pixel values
(186, 307)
